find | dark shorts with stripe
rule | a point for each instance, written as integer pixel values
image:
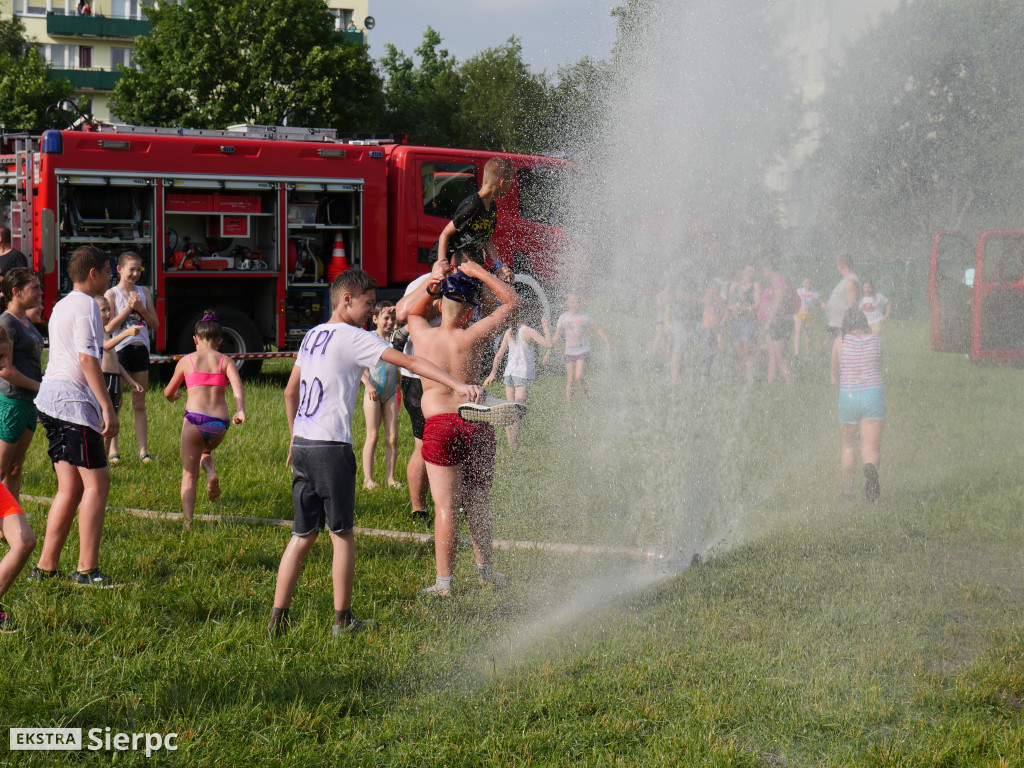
(77, 444)
(113, 384)
(412, 393)
(323, 486)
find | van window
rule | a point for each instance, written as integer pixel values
(540, 190)
(445, 185)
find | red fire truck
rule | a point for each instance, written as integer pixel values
(976, 295)
(246, 220)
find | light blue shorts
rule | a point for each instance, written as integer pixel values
(515, 381)
(861, 404)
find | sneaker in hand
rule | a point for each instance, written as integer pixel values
(493, 410)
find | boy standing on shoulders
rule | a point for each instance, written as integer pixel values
(77, 413)
(467, 237)
(319, 399)
(459, 453)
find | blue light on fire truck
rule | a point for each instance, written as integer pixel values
(376, 153)
(227, 149)
(52, 143)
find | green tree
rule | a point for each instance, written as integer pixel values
(574, 103)
(27, 87)
(505, 105)
(922, 123)
(424, 100)
(210, 63)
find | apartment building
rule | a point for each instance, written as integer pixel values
(88, 50)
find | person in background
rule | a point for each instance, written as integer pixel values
(10, 257)
(875, 306)
(857, 369)
(802, 319)
(775, 316)
(744, 299)
(380, 404)
(846, 295)
(19, 381)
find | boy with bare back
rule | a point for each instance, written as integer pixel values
(458, 447)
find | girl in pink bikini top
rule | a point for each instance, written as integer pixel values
(206, 374)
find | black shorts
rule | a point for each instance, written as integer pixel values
(113, 382)
(323, 486)
(412, 394)
(134, 358)
(77, 444)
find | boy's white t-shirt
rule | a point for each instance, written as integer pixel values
(75, 327)
(331, 362)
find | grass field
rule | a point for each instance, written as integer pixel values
(816, 632)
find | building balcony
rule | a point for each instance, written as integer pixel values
(88, 79)
(353, 37)
(59, 25)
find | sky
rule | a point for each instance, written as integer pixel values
(552, 32)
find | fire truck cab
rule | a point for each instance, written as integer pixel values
(253, 221)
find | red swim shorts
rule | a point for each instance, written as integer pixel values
(449, 441)
(8, 506)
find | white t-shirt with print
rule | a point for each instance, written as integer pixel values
(75, 327)
(331, 362)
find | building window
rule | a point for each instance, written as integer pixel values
(120, 57)
(35, 8)
(85, 57)
(60, 56)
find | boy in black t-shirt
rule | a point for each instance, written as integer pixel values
(476, 219)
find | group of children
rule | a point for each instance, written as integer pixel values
(76, 401)
(700, 321)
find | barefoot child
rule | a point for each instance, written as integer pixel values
(15, 528)
(132, 305)
(113, 371)
(520, 370)
(574, 324)
(380, 404)
(206, 373)
(319, 399)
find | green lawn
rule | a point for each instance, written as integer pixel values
(816, 632)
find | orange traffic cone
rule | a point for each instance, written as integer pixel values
(338, 261)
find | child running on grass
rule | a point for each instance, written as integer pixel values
(520, 370)
(380, 404)
(206, 373)
(113, 371)
(574, 324)
(15, 528)
(319, 399)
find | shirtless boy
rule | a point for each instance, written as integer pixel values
(459, 455)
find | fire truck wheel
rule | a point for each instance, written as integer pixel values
(240, 335)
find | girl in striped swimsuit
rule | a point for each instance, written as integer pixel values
(206, 373)
(857, 369)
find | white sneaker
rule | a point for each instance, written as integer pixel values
(437, 589)
(493, 410)
(490, 576)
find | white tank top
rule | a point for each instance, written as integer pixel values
(520, 357)
(835, 308)
(134, 318)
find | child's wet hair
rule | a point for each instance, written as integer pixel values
(14, 280)
(209, 328)
(383, 304)
(127, 256)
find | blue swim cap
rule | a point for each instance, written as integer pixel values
(462, 288)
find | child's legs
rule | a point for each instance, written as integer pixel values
(570, 376)
(61, 514)
(373, 413)
(446, 488)
(773, 359)
(416, 476)
(580, 370)
(191, 455)
(290, 568)
(343, 569)
(12, 461)
(478, 514)
(871, 441)
(798, 326)
(22, 541)
(390, 410)
(850, 434)
(139, 410)
(91, 513)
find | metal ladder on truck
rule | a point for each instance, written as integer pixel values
(19, 175)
